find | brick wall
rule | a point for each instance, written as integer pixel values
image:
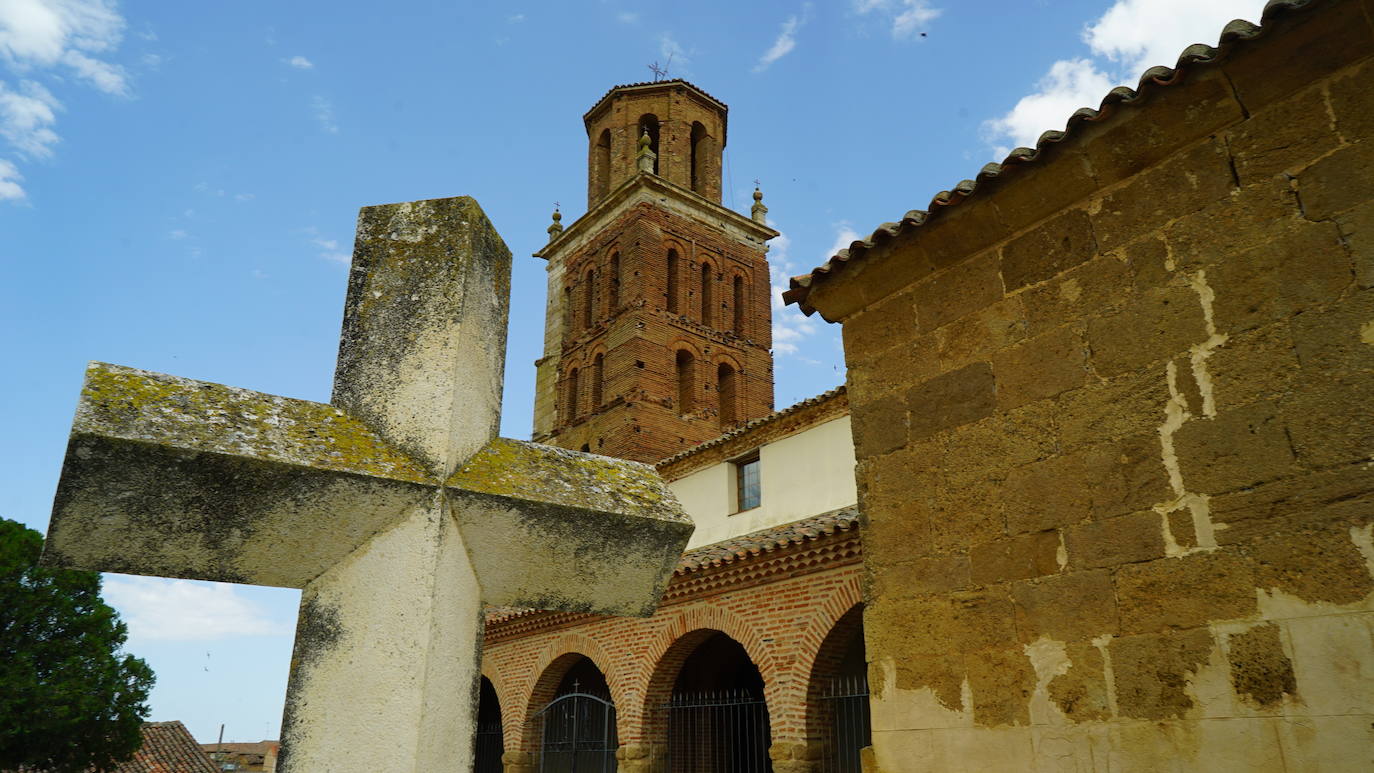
(783, 611)
(1115, 421)
(638, 415)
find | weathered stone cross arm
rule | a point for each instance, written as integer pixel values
(395, 508)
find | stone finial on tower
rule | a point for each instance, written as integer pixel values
(557, 227)
(644, 159)
(759, 212)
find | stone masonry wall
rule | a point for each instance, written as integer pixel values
(1115, 424)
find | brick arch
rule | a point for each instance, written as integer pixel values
(820, 649)
(553, 662)
(672, 645)
(510, 710)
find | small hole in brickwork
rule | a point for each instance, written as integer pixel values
(639, 363)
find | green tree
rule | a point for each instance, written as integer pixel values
(70, 699)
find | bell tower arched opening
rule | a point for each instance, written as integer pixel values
(648, 124)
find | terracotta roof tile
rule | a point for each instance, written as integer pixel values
(1234, 34)
(737, 548)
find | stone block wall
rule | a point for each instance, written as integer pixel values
(1114, 418)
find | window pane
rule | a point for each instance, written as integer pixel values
(748, 476)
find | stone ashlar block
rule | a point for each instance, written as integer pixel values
(1338, 339)
(1338, 182)
(1260, 671)
(1129, 404)
(1081, 691)
(1157, 325)
(950, 400)
(976, 336)
(1301, 267)
(1271, 142)
(1311, 47)
(1338, 498)
(1001, 682)
(1048, 250)
(1127, 145)
(880, 426)
(1093, 482)
(1247, 218)
(1152, 672)
(1255, 365)
(923, 576)
(960, 289)
(1111, 542)
(1238, 448)
(1100, 286)
(1077, 606)
(1352, 101)
(967, 513)
(1185, 592)
(1028, 193)
(1005, 440)
(1331, 421)
(1357, 229)
(1019, 557)
(1317, 562)
(875, 330)
(1183, 183)
(1041, 367)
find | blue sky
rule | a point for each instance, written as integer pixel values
(179, 184)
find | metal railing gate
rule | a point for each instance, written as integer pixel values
(845, 705)
(577, 735)
(721, 732)
(490, 746)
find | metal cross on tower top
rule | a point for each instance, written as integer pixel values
(661, 72)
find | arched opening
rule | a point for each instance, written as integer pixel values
(670, 302)
(726, 388)
(598, 374)
(737, 304)
(576, 730)
(837, 696)
(648, 124)
(490, 740)
(570, 399)
(707, 296)
(717, 715)
(601, 166)
(589, 299)
(613, 296)
(686, 402)
(699, 155)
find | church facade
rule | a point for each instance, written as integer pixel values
(657, 349)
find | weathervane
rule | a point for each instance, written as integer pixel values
(661, 72)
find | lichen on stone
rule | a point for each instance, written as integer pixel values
(132, 404)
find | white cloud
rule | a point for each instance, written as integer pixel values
(1138, 34)
(177, 234)
(26, 119)
(672, 52)
(300, 63)
(244, 197)
(790, 327)
(627, 17)
(1130, 37)
(787, 40)
(515, 18)
(186, 610)
(329, 250)
(324, 113)
(46, 33)
(10, 189)
(1069, 85)
(907, 17)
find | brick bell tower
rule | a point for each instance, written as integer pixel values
(658, 331)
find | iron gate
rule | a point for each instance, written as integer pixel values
(490, 747)
(722, 732)
(845, 706)
(577, 734)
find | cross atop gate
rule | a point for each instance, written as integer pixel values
(395, 508)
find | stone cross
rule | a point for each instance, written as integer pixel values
(395, 509)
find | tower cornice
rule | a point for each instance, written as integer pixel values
(650, 188)
(651, 86)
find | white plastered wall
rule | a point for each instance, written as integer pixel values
(801, 475)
